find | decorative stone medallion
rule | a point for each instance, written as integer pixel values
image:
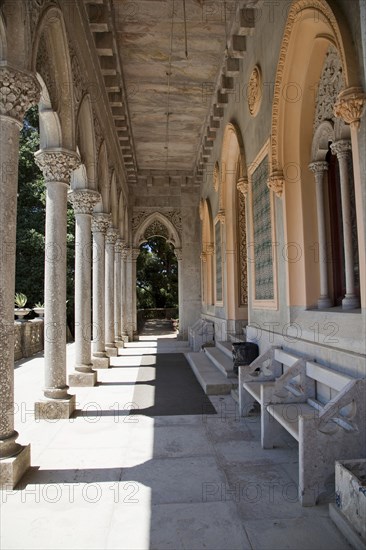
(254, 91)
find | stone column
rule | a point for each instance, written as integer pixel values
(350, 106)
(117, 292)
(111, 238)
(129, 293)
(100, 224)
(209, 267)
(18, 92)
(319, 168)
(57, 166)
(342, 149)
(83, 201)
(123, 292)
(179, 255)
(135, 255)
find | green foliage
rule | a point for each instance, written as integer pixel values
(20, 299)
(31, 217)
(157, 275)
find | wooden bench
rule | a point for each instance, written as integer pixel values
(324, 410)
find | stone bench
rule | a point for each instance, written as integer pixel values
(324, 410)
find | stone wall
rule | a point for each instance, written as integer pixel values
(28, 338)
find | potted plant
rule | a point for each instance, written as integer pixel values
(39, 309)
(20, 301)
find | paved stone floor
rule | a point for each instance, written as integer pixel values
(106, 480)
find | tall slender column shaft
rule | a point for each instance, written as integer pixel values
(18, 92)
(130, 288)
(123, 292)
(342, 149)
(100, 224)
(179, 255)
(57, 166)
(135, 255)
(111, 238)
(83, 201)
(117, 291)
(319, 168)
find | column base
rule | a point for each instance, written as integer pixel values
(111, 351)
(83, 379)
(350, 302)
(100, 362)
(54, 409)
(12, 469)
(324, 302)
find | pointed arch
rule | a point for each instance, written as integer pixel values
(86, 140)
(233, 168)
(312, 27)
(51, 60)
(171, 236)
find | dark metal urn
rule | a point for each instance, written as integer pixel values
(244, 353)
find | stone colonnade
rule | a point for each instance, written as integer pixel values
(100, 254)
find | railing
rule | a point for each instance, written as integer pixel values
(28, 338)
(157, 313)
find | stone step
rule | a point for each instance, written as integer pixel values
(221, 361)
(211, 379)
(225, 347)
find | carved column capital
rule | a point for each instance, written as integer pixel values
(84, 200)
(100, 222)
(118, 247)
(276, 183)
(221, 216)
(135, 254)
(18, 92)
(350, 105)
(203, 257)
(243, 186)
(111, 235)
(210, 249)
(178, 253)
(57, 164)
(341, 148)
(318, 166)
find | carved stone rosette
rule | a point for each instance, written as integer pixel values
(18, 92)
(276, 182)
(350, 105)
(84, 200)
(254, 92)
(243, 186)
(57, 165)
(100, 223)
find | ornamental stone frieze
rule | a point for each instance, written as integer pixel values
(100, 223)
(174, 216)
(18, 92)
(330, 84)
(276, 182)
(84, 200)
(57, 165)
(350, 106)
(243, 186)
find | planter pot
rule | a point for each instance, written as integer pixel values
(21, 312)
(350, 481)
(244, 354)
(39, 311)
